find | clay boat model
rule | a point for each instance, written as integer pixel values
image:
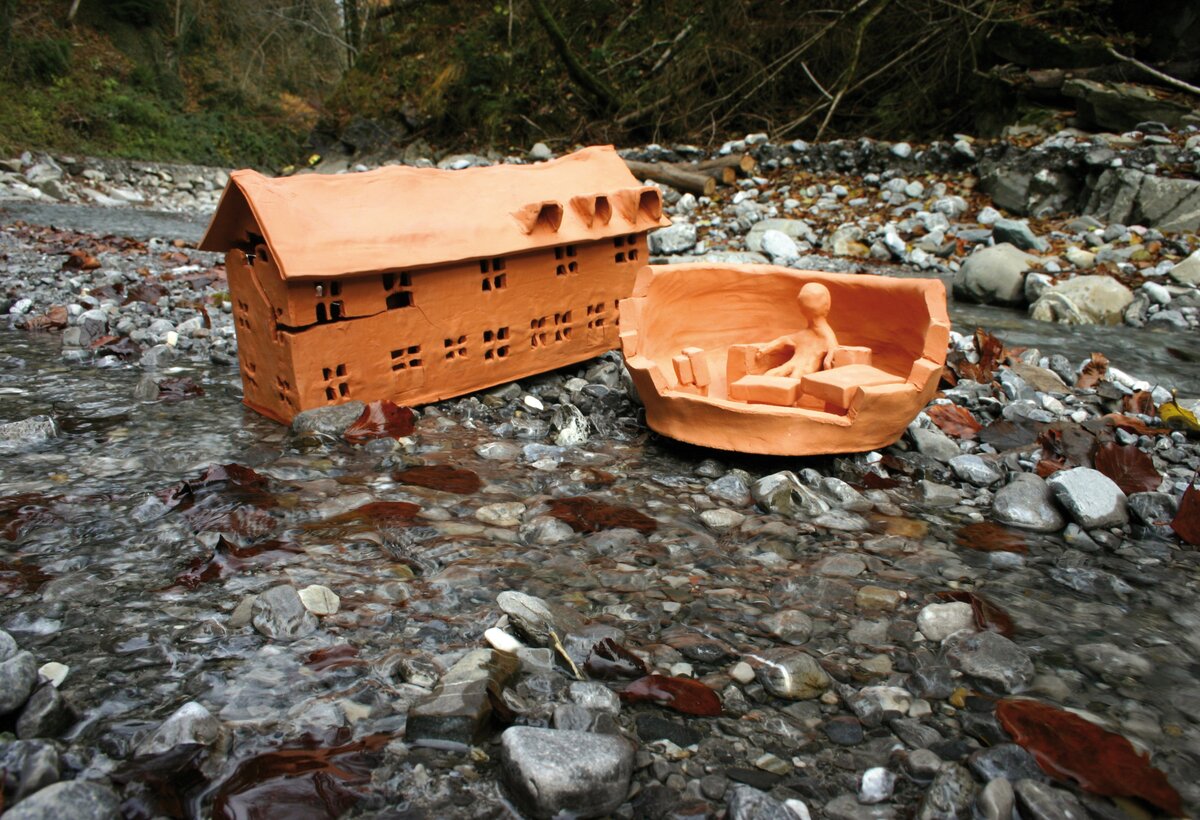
(771, 360)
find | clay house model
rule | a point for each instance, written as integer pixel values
(416, 284)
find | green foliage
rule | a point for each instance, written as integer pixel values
(41, 60)
(135, 12)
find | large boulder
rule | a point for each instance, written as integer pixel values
(1121, 106)
(1187, 272)
(572, 773)
(1084, 300)
(1131, 197)
(994, 275)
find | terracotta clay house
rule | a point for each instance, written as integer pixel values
(415, 284)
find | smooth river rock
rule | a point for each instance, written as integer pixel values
(578, 774)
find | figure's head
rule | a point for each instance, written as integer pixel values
(814, 300)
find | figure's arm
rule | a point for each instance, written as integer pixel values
(775, 345)
(830, 341)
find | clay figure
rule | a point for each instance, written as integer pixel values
(418, 284)
(812, 347)
(867, 358)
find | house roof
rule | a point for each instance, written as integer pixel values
(396, 217)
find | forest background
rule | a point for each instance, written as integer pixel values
(269, 82)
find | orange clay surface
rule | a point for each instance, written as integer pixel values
(891, 337)
(416, 285)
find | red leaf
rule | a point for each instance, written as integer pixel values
(991, 353)
(954, 420)
(1093, 372)
(1131, 469)
(441, 477)
(586, 515)
(1066, 445)
(381, 419)
(987, 536)
(608, 659)
(178, 389)
(377, 513)
(1069, 748)
(987, 615)
(333, 657)
(149, 292)
(1131, 424)
(1186, 522)
(681, 694)
(80, 260)
(1139, 402)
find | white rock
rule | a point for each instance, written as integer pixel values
(722, 519)
(533, 403)
(876, 785)
(939, 621)
(742, 672)
(319, 600)
(504, 514)
(54, 672)
(502, 641)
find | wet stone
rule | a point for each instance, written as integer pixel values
(28, 431)
(1111, 662)
(76, 799)
(8, 646)
(1039, 801)
(1005, 760)
(990, 659)
(190, 723)
(722, 519)
(949, 796)
(731, 489)
(844, 731)
(535, 619)
(459, 706)
(914, 733)
(503, 514)
(595, 696)
(847, 807)
(18, 674)
(651, 727)
(975, 470)
(996, 800)
(876, 785)
(280, 615)
(28, 765)
(572, 717)
(577, 773)
(327, 421)
(46, 714)
(792, 674)
(873, 704)
(1027, 502)
(939, 621)
(789, 625)
(840, 566)
(746, 803)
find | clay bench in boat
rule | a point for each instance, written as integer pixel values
(693, 335)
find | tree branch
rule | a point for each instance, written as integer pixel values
(1154, 72)
(604, 96)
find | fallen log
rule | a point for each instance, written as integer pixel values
(690, 182)
(723, 176)
(741, 163)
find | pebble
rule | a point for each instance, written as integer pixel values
(76, 799)
(279, 614)
(54, 672)
(876, 785)
(996, 800)
(939, 621)
(990, 659)
(722, 519)
(319, 600)
(18, 674)
(504, 514)
(191, 723)
(1091, 498)
(550, 771)
(792, 674)
(1027, 502)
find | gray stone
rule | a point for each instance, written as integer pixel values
(792, 674)
(847, 807)
(459, 706)
(8, 646)
(327, 421)
(158, 356)
(874, 704)
(595, 696)
(780, 247)
(939, 495)
(789, 625)
(571, 426)
(1027, 502)
(676, 239)
(1156, 510)
(279, 614)
(46, 714)
(934, 443)
(1006, 761)
(722, 519)
(991, 659)
(795, 229)
(1111, 662)
(190, 723)
(783, 493)
(994, 275)
(1084, 300)
(949, 796)
(579, 774)
(975, 470)
(996, 801)
(876, 785)
(33, 763)
(1091, 498)
(1039, 801)
(747, 803)
(1121, 107)
(939, 621)
(1187, 272)
(18, 674)
(535, 619)
(845, 496)
(1017, 233)
(730, 488)
(28, 431)
(540, 152)
(76, 799)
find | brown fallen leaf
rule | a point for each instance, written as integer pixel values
(1093, 372)
(987, 536)
(681, 694)
(1186, 522)
(1131, 469)
(987, 615)
(381, 419)
(1072, 749)
(954, 420)
(80, 260)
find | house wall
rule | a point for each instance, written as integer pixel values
(422, 335)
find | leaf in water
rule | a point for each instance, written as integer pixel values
(587, 515)
(987, 536)
(376, 513)
(441, 477)
(163, 785)
(681, 694)
(954, 420)
(299, 783)
(381, 419)
(21, 513)
(1093, 372)
(1178, 417)
(608, 660)
(1186, 522)
(333, 657)
(987, 615)
(229, 559)
(875, 481)
(178, 389)
(1140, 402)
(122, 348)
(18, 576)
(1070, 748)
(1131, 469)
